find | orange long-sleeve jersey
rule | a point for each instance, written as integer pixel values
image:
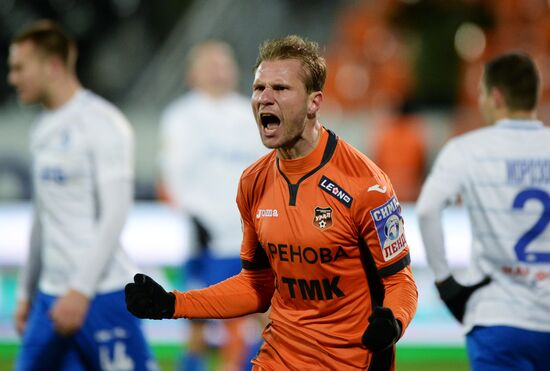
(323, 243)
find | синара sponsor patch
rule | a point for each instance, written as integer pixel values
(389, 227)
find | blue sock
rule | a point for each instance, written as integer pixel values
(192, 362)
(252, 353)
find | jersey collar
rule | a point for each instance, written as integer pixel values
(519, 124)
(318, 158)
(302, 165)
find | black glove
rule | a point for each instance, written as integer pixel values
(455, 296)
(147, 299)
(203, 235)
(383, 330)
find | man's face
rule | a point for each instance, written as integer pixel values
(280, 102)
(28, 72)
(214, 71)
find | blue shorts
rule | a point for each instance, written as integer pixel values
(110, 339)
(504, 348)
(205, 270)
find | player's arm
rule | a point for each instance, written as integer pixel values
(386, 254)
(181, 151)
(69, 311)
(111, 152)
(30, 272)
(115, 199)
(440, 190)
(29, 275)
(112, 160)
(248, 292)
(171, 158)
(245, 293)
(444, 184)
(401, 296)
(179, 157)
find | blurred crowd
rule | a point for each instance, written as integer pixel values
(391, 63)
(404, 59)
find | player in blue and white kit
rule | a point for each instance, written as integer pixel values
(502, 173)
(208, 137)
(71, 309)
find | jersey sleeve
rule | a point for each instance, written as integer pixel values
(180, 156)
(247, 292)
(112, 147)
(381, 227)
(114, 201)
(401, 296)
(30, 272)
(382, 232)
(111, 151)
(441, 188)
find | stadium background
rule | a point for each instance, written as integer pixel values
(380, 54)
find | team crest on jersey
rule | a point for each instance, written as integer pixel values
(322, 218)
(389, 228)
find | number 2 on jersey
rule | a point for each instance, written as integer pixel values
(539, 227)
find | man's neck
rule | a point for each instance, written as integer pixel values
(522, 115)
(305, 144)
(61, 92)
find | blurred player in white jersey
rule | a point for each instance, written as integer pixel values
(502, 173)
(71, 310)
(208, 137)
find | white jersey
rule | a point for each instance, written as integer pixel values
(503, 175)
(84, 143)
(206, 144)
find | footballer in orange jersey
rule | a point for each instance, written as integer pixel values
(330, 227)
(323, 237)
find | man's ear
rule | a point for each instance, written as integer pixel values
(53, 65)
(314, 103)
(499, 100)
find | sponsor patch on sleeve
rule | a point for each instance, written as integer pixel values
(389, 228)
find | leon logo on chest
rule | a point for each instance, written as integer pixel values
(335, 191)
(322, 218)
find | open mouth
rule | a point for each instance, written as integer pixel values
(270, 121)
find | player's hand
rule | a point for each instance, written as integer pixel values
(455, 296)
(69, 312)
(383, 330)
(147, 299)
(21, 314)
